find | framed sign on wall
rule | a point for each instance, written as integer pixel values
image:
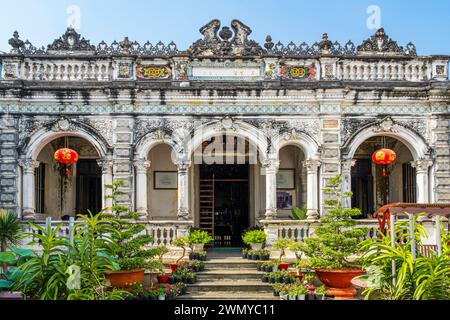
(165, 180)
(286, 179)
(284, 199)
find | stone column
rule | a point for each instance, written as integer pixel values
(270, 168)
(346, 171)
(141, 166)
(312, 192)
(28, 190)
(183, 190)
(107, 179)
(422, 191)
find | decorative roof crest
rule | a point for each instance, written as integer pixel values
(215, 43)
(380, 43)
(71, 41)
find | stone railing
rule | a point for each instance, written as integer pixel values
(298, 230)
(163, 232)
(61, 70)
(116, 68)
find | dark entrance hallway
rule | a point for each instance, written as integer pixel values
(224, 202)
(89, 187)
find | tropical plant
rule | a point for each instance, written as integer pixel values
(336, 240)
(299, 213)
(10, 232)
(254, 237)
(199, 237)
(423, 278)
(60, 269)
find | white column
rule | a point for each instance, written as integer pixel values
(270, 169)
(346, 171)
(312, 192)
(183, 190)
(422, 167)
(141, 166)
(107, 179)
(28, 190)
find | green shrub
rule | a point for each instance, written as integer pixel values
(199, 237)
(254, 237)
(299, 213)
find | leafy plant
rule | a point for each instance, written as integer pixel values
(336, 242)
(423, 278)
(10, 232)
(254, 237)
(199, 237)
(299, 213)
(129, 240)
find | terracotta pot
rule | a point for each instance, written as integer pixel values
(173, 267)
(338, 282)
(125, 278)
(283, 266)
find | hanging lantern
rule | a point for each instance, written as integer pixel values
(66, 157)
(384, 156)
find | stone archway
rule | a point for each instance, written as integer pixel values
(40, 139)
(421, 159)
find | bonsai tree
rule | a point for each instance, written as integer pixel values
(182, 243)
(129, 240)
(198, 238)
(336, 240)
(282, 245)
(255, 238)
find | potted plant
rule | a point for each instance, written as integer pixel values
(282, 245)
(301, 292)
(198, 239)
(244, 253)
(128, 243)
(284, 292)
(320, 292)
(254, 238)
(182, 243)
(333, 249)
(264, 255)
(265, 277)
(161, 293)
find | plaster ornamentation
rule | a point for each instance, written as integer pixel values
(28, 165)
(422, 165)
(141, 165)
(106, 165)
(312, 165)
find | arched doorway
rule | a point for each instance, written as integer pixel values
(228, 187)
(61, 195)
(370, 187)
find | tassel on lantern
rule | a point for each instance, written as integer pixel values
(384, 173)
(67, 172)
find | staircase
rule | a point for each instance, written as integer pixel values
(229, 277)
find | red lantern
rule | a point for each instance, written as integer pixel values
(384, 156)
(66, 156)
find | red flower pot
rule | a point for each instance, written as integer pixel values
(299, 276)
(338, 282)
(173, 267)
(163, 278)
(283, 266)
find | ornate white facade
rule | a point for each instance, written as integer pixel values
(318, 103)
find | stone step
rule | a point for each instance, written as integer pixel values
(228, 295)
(255, 286)
(230, 273)
(230, 263)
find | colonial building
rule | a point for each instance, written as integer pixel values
(277, 121)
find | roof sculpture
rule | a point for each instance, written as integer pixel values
(216, 41)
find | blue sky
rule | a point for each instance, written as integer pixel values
(425, 23)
